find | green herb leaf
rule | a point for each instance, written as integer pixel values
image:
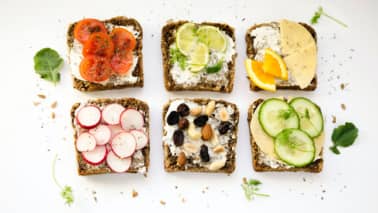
(215, 68)
(177, 57)
(251, 188)
(47, 63)
(344, 136)
(320, 12)
(66, 191)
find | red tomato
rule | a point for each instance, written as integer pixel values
(84, 28)
(121, 63)
(124, 41)
(95, 68)
(98, 44)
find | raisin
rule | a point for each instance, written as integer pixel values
(201, 120)
(224, 126)
(183, 110)
(183, 123)
(204, 153)
(178, 138)
(173, 118)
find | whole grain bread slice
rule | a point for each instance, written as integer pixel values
(170, 161)
(168, 37)
(251, 52)
(258, 166)
(137, 72)
(86, 169)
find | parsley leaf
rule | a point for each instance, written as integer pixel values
(215, 68)
(320, 12)
(177, 57)
(47, 63)
(343, 136)
(251, 188)
(66, 191)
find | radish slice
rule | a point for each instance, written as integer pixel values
(131, 119)
(123, 144)
(117, 164)
(102, 134)
(96, 156)
(85, 142)
(88, 117)
(116, 130)
(140, 137)
(111, 113)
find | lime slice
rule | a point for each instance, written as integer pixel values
(212, 37)
(199, 57)
(186, 38)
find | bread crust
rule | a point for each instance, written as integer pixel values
(170, 161)
(168, 37)
(87, 86)
(314, 167)
(86, 169)
(251, 52)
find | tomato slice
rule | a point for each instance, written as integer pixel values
(84, 28)
(124, 41)
(95, 68)
(98, 44)
(121, 63)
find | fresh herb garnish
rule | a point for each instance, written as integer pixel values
(320, 12)
(343, 136)
(251, 188)
(177, 56)
(47, 63)
(66, 191)
(215, 68)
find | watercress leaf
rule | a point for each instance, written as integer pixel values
(335, 150)
(67, 195)
(47, 63)
(345, 135)
(177, 57)
(254, 182)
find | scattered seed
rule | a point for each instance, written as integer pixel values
(134, 193)
(54, 104)
(53, 115)
(162, 202)
(41, 96)
(35, 103)
(343, 107)
(333, 119)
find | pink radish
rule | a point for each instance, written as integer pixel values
(85, 142)
(117, 164)
(131, 119)
(116, 129)
(96, 156)
(111, 113)
(140, 138)
(88, 117)
(102, 134)
(123, 145)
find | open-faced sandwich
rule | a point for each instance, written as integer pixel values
(198, 56)
(105, 54)
(111, 135)
(281, 55)
(199, 135)
(286, 135)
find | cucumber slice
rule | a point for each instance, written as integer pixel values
(276, 115)
(310, 116)
(295, 147)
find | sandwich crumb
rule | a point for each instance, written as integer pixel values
(343, 86)
(134, 193)
(94, 195)
(162, 202)
(333, 119)
(41, 96)
(183, 200)
(54, 104)
(343, 106)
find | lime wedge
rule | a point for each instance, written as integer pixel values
(212, 37)
(186, 38)
(199, 57)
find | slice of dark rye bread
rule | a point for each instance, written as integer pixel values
(251, 52)
(138, 71)
(314, 167)
(168, 37)
(86, 169)
(170, 161)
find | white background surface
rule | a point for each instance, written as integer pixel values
(30, 138)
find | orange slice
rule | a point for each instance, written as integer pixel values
(273, 64)
(258, 76)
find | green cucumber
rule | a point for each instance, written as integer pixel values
(295, 147)
(276, 115)
(310, 116)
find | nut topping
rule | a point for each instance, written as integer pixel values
(218, 149)
(183, 123)
(223, 114)
(210, 108)
(193, 133)
(207, 132)
(181, 159)
(196, 111)
(190, 147)
(216, 165)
